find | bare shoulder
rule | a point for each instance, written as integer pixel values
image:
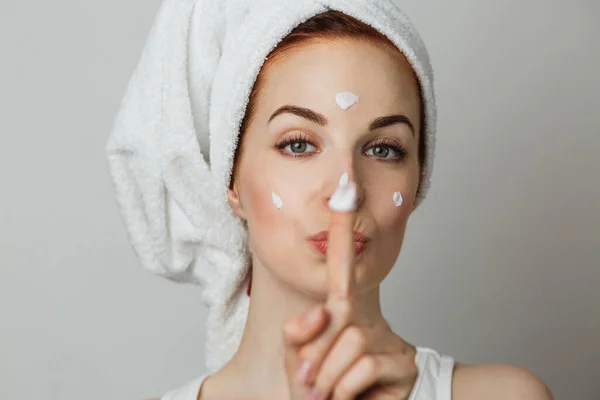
(497, 382)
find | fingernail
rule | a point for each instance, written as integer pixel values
(303, 371)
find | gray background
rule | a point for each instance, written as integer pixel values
(501, 263)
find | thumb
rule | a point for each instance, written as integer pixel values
(304, 328)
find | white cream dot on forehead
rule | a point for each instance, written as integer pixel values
(345, 99)
(277, 202)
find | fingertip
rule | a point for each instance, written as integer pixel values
(344, 198)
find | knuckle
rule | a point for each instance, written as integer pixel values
(324, 381)
(356, 336)
(343, 391)
(369, 365)
(311, 353)
(407, 364)
(344, 312)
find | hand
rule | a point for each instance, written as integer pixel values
(335, 351)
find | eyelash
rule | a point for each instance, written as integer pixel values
(296, 138)
(303, 138)
(392, 144)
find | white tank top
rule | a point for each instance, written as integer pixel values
(434, 381)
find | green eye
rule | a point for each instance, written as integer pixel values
(381, 151)
(385, 151)
(300, 147)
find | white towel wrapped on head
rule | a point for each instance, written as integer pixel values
(172, 146)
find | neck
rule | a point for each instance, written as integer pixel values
(260, 356)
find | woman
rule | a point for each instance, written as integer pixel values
(331, 157)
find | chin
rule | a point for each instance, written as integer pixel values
(314, 281)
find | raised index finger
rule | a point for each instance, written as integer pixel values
(340, 240)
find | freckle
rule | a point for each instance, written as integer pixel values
(277, 202)
(398, 200)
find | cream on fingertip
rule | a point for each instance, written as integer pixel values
(344, 197)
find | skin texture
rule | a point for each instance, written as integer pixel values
(290, 278)
(306, 183)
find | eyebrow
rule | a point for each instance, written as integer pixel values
(320, 119)
(305, 113)
(382, 122)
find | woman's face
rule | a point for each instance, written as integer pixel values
(300, 152)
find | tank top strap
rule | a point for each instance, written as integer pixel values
(444, 383)
(435, 376)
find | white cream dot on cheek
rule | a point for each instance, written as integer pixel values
(398, 200)
(345, 99)
(277, 202)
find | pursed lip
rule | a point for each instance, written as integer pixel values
(319, 242)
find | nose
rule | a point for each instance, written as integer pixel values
(337, 179)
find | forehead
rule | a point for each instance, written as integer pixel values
(313, 73)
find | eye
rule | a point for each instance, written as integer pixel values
(300, 147)
(296, 146)
(387, 150)
(379, 151)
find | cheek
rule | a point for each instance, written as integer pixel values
(259, 207)
(390, 224)
(269, 203)
(391, 219)
(274, 232)
(391, 199)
